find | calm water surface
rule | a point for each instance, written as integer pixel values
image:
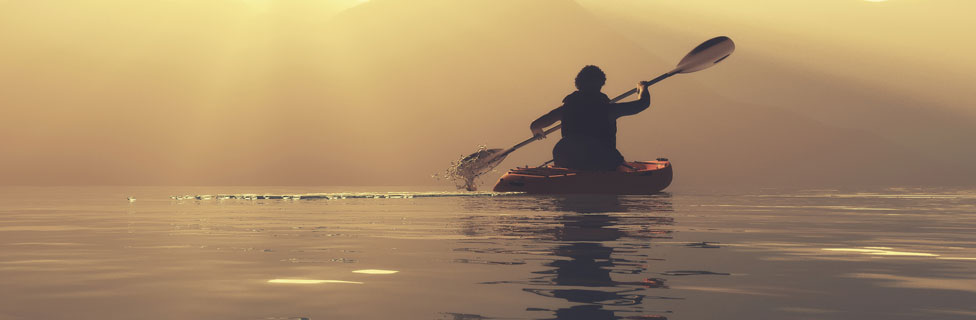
(88, 253)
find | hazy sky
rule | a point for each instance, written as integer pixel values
(915, 46)
(331, 92)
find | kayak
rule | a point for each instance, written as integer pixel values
(636, 177)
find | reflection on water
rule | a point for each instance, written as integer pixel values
(881, 251)
(310, 281)
(591, 243)
(372, 253)
(375, 271)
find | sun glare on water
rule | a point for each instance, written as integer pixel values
(310, 281)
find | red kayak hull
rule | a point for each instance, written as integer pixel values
(637, 177)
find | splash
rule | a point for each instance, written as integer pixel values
(465, 171)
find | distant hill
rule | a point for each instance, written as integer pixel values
(478, 71)
(389, 92)
(848, 89)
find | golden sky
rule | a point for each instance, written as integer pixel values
(387, 92)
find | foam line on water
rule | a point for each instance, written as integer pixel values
(336, 196)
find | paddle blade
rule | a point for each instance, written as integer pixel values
(706, 55)
(467, 169)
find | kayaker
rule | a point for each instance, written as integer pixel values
(589, 123)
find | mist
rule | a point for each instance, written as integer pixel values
(389, 92)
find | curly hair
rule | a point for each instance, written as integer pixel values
(590, 73)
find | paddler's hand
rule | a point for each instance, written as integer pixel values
(538, 133)
(642, 86)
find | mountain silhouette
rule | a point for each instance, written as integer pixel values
(388, 92)
(429, 50)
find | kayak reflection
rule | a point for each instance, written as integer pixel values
(596, 238)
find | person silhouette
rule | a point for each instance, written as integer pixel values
(589, 123)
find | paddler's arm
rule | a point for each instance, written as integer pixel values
(539, 125)
(636, 106)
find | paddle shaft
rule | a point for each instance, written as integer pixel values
(558, 126)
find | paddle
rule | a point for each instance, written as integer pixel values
(701, 57)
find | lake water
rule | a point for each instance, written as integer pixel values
(89, 253)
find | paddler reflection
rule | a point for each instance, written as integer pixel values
(595, 258)
(599, 272)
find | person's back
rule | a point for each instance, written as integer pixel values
(588, 114)
(589, 124)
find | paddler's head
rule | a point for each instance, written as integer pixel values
(591, 78)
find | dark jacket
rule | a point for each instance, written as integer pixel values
(591, 114)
